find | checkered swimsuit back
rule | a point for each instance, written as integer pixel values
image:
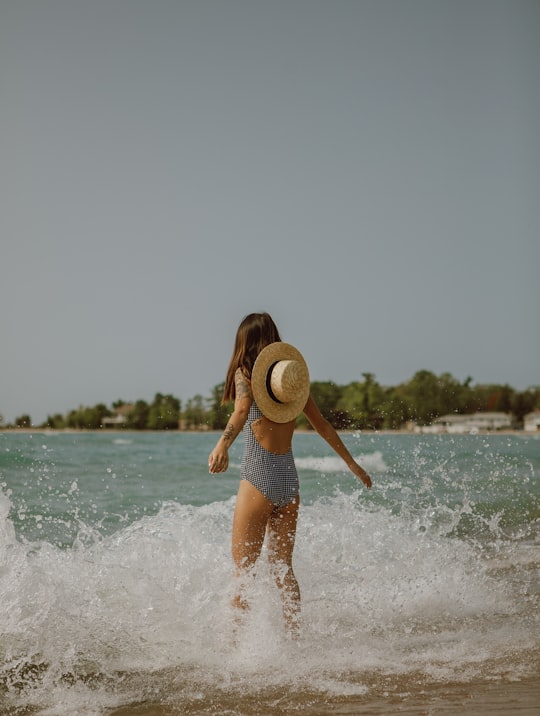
(272, 474)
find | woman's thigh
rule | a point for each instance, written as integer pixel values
(251, 515)
(282, 532)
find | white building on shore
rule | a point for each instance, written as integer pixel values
(463, 424)
(531, 422)
(119, 419)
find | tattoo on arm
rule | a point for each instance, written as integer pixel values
(242, 387)
(228, 434)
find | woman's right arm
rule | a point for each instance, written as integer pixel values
(218, 460)
(328, 432)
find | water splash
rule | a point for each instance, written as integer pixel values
(378, 595)
(433, 574)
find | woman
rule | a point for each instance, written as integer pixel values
(269, 383)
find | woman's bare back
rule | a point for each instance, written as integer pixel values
(274, 437)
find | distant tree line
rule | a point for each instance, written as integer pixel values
(163, 413)
(363, 405)
(368, 405)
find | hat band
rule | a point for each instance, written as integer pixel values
(269, 384)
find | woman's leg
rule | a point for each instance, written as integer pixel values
(251, 515)
(281, 537)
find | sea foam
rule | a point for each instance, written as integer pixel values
(379, 595)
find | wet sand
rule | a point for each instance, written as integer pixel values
(502, 698)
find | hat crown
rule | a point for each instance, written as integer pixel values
(288, 377)
(280, 382)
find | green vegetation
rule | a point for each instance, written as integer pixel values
(368, 405)
(162, 414)
(360, 405)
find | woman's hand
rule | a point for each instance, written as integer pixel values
(218, 460)
(361, 474)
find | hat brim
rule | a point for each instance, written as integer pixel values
(270, 408)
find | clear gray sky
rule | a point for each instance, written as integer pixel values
(368, 171)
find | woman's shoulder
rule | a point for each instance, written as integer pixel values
(242, 383)
(239, 374)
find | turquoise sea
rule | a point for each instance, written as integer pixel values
(115, 575)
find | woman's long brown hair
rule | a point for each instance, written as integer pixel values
(256, 331)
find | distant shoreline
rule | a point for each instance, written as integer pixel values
(303, 431)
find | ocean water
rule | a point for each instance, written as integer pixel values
(116, 578)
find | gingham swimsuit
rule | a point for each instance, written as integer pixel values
(273, 475)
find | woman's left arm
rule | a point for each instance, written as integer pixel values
(328, 432)
(218, 460)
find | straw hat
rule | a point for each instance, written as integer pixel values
(280, 382)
